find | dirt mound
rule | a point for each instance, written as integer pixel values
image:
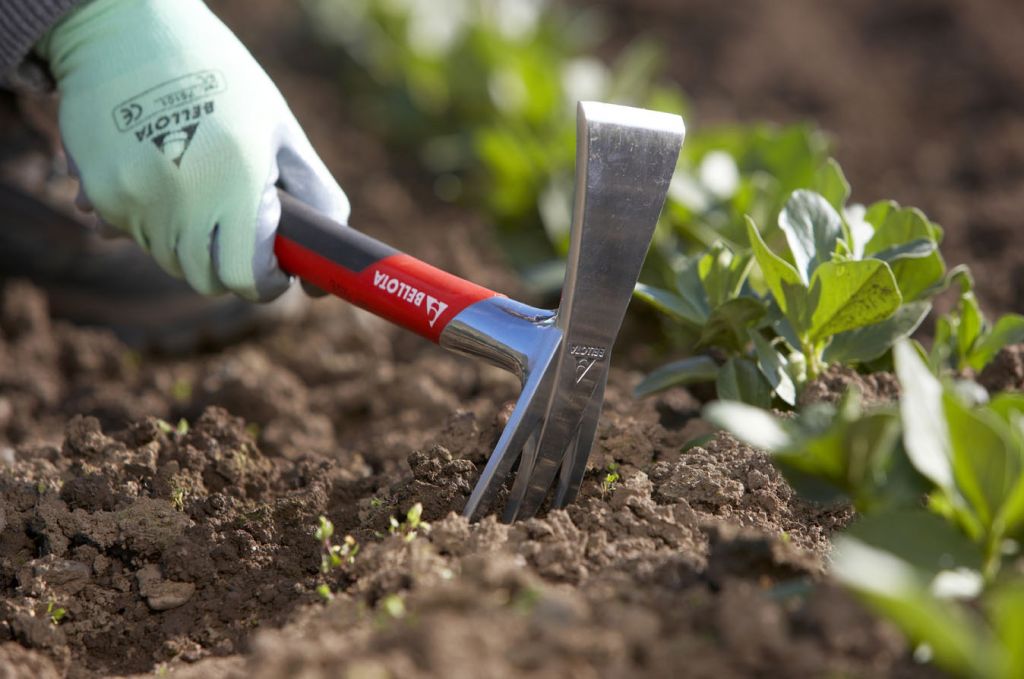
(874, 388)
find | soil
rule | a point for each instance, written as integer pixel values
(874, 388)
(176, 546)
(189, 550)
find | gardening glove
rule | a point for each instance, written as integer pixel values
(179, 138)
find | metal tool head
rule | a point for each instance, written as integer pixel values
(625, 158)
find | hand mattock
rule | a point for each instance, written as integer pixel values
(625, 158)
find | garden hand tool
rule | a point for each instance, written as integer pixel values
(625, 158)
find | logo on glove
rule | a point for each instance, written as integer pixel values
(174, 144)
(169, 114)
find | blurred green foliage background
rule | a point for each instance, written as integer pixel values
(482, 94)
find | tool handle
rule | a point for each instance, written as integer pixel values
(344, 262)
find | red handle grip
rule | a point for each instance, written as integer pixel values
(370, 274)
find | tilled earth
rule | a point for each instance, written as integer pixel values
(190, 550)
(191, 546)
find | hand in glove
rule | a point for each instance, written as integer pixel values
(179, 138)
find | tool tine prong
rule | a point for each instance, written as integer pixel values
(575, 464)
(526, 463)
(522, 427)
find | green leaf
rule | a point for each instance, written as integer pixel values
(772, 365)
(1012, 516)
(970, 326)
(812, 228)
(896, 226)
(849, 295)
(740, 380)
(871, 342)
(813, 487)
(777, 321)
(831, 183)
(850, 450)
(925, 541)
(1008, 405)
(688, 283)
(915, 249)
(752, 425)
(893, 588)
(925, 434)
(722, 273)
(729, 324)
(869, 443)
(779, 275)
(679, 308)
(692, 370)
(896, 229)
(1008, 330)
(829, 453)
(986, 468)
(1006, 611)
(942, 344)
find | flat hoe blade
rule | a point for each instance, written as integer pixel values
(625, 158)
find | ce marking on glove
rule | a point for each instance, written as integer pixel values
(184, 91)
(130, 114)
(168, 114)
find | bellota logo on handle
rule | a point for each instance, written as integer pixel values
(400, 288)
(410, 294)
(435, 308)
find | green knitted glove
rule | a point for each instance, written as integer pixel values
(179, 138)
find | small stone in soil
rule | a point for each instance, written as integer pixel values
(160, 594)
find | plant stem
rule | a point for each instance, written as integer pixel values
(812, 356)
(992, 557)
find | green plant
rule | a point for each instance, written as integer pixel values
(412, 526)
(847, 284)
(611, 478)
(964, 338)
(393, 606)
(332, 556)
(830, 453)
(168, 428)
(324, 590)
(728, 173)
(55, 612)
(938, 568)
(178, 498)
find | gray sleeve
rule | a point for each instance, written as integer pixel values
(22, 24)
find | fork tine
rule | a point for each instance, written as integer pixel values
(574, 466)
(522, 425)
(526, 464)
(561, 425)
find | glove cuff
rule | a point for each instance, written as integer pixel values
(22, 24)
